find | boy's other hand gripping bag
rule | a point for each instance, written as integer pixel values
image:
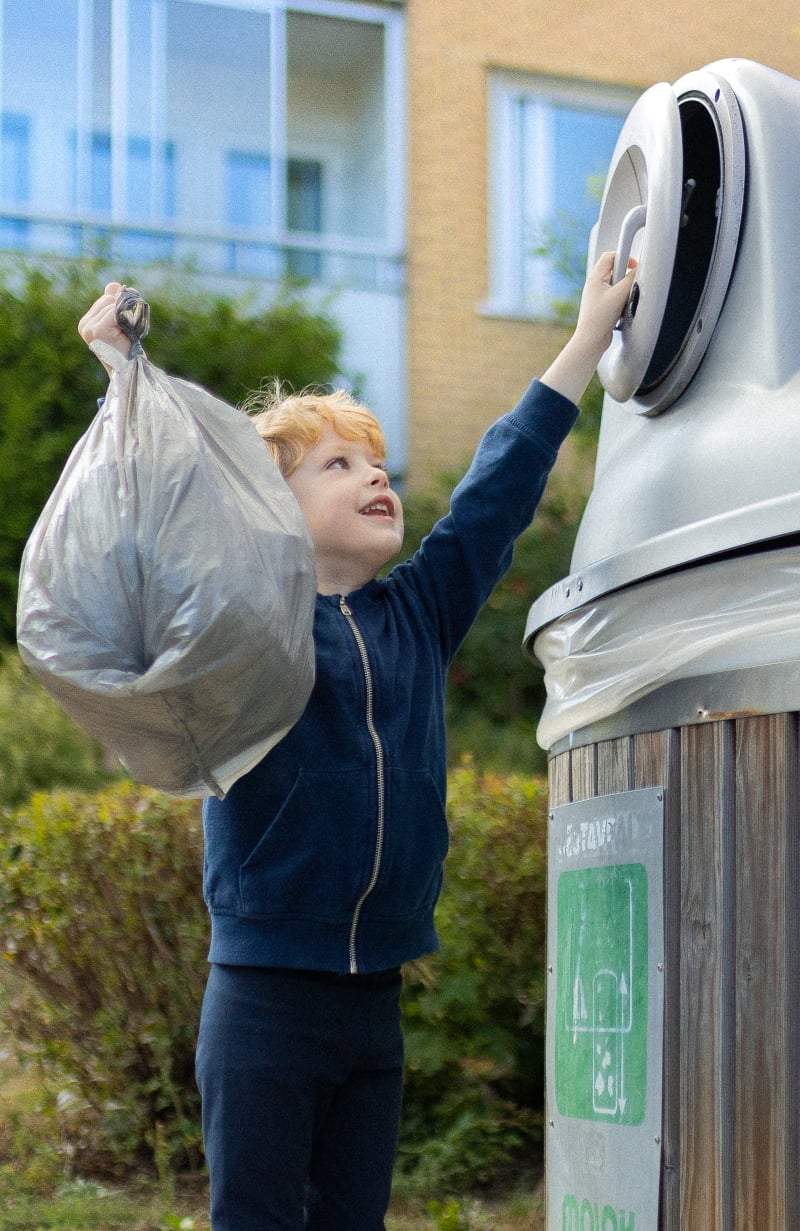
(167, 590)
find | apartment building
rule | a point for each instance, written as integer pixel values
(248, 139)
(430, 167)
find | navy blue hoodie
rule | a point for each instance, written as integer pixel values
(328, 855)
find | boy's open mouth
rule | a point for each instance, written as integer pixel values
(378, 508)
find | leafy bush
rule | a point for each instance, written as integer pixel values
(50, 382)
(41, 747)
(105, 935)
(474, 1014)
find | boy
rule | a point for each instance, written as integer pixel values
(324, 863)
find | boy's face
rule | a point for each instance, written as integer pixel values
(355, 520)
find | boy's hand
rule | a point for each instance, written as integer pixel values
(602, 304)
(99, 324)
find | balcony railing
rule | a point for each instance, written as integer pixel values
(333, 260)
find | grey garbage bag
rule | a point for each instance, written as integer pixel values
(167, 590)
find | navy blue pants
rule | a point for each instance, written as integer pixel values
(301, 1077)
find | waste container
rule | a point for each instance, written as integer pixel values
(672, 665)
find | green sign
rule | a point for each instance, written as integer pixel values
(589, 1216)
(605, 1012)
(601, 994)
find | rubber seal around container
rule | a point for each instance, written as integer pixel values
(716, 96)
(646, 171)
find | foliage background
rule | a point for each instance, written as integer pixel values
(474, 1013)
(103, 939)
(39, 746)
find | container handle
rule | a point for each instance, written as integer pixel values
(633, 221)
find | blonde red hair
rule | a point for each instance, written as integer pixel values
(292, 423)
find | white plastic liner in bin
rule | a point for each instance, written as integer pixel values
(708, 619)
(167, 590)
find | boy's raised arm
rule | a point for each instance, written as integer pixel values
(602, 304)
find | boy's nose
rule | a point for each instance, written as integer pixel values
(379, 478)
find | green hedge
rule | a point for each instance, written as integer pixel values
(105, 939)
(40, 747)
(474, 1013)
(104, 935)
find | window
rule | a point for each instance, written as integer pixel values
(150, 192)
(249, 207)
(550, 146)
(304, 213)
(172, 127)
(14, 171)
(248, 190)
(14, 178)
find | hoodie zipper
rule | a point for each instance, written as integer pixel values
(379, 772)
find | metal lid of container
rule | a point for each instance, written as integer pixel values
(699, 457)
(673, 199)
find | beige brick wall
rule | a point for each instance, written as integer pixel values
(465, 368)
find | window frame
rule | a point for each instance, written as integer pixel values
(519, 288)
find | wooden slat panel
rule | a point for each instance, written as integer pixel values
(766, 1069)
(656, 762)
(559, 780)
(655, 758)
(706, 1000)
(732, 960)
(792, 978)
(614, 765)
(584, 775)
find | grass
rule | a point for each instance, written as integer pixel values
(35, 1194)
(85, 1206)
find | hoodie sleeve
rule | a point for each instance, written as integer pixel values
(470, 549)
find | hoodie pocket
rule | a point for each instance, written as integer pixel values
(414, 848)
(316, 856)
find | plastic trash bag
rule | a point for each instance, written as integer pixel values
(715, 618)
(167, 590)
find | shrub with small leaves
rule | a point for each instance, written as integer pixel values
(104, 935)
(103, 932)
(41, 747)
(474, 1013)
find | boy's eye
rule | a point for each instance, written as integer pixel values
(337, 463)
